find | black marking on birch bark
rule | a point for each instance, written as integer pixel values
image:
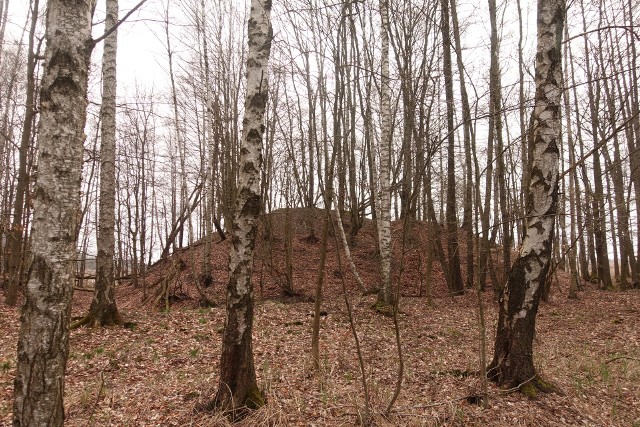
(249, 167)
(252, 205)
(541, 180)
(267, 44)
(253, 137)
(552, 147)
(259, 100)
(538, 226)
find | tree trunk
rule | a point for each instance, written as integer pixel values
(584, 247)
(103, 310)
(627, 257)
(512, 363)
(575, 214)
(237, 387)
(455, 282)
(523, 124)
(597, 200)
(495, 113)
(43, 344)
(469, 139)
(4, 9)
(16, 243)
(385, 295)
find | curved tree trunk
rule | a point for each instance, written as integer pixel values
(237, 387)
(103, 310)
(512, 363)
(43, 345)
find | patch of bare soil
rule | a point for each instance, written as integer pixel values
(156, 370)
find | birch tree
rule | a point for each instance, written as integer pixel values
(103, 310)
(43, 344)
(385, 295)
(512, 363)
(237, 387)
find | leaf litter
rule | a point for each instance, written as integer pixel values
(155, 371)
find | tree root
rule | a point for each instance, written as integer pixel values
(536, 385)
(93, 321)
(233, 411)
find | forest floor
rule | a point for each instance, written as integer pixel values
(154, 371)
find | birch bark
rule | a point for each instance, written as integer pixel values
(385, 295)
(103, 310)
(237, 387)
(43, 344)
(512, 364)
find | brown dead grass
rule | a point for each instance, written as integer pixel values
(155, 372)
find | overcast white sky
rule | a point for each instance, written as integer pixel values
(139, 50)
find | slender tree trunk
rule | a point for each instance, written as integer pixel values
(385, 295)
(512, 363)
(43, 344)
(16, 240)
(328, 199)
(598, 201)
(455, 282)
(583, 211)
(484, 252)
(575, 213)
(237, 387)
(4, 10)
(495, 112)
(103, 310)
(634, 146)
(627, 257)
(523, 125)
(468, 138)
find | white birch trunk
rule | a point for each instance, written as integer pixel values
(513, 358)
(43, 344)
(237, 387)
(103, 310)
(385, 296)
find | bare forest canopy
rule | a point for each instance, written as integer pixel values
(179, 122)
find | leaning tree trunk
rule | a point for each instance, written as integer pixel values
(43, 345)
(512, 363)
(237, 387)
(103, 310)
